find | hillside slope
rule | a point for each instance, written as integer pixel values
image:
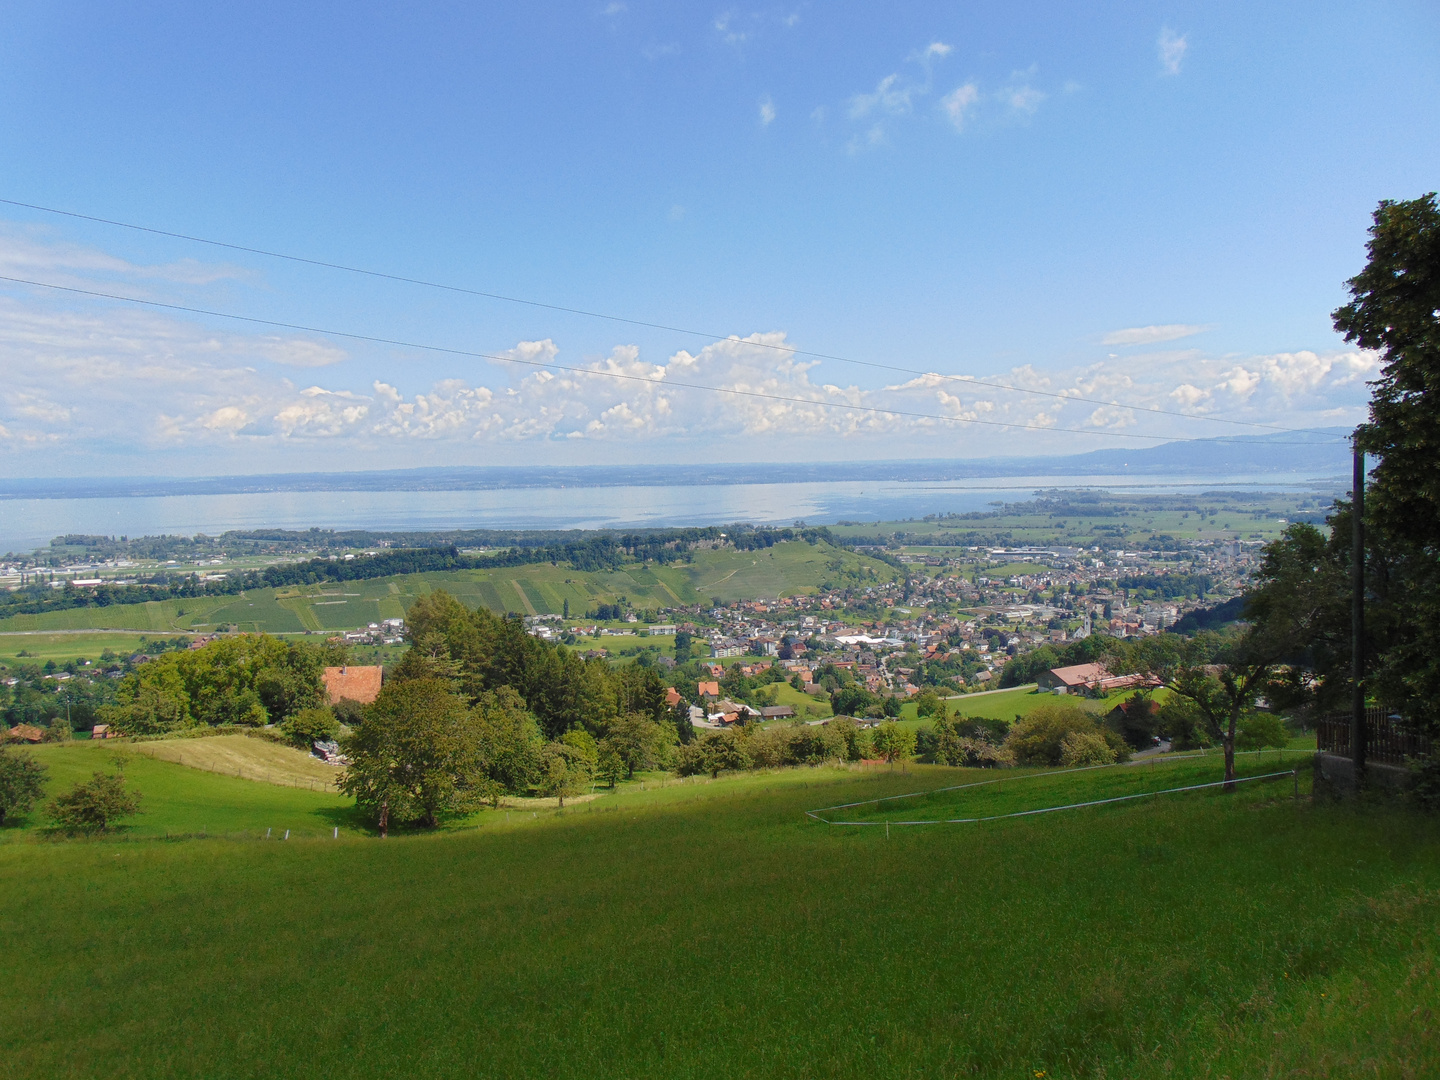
(787, 568)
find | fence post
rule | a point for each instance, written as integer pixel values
(1295, 773)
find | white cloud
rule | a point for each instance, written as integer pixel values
(724, 26)
(32, 253)
(1024, 99)
(615, 7)
(767, 112)
(1150, 335)
(1171, 48)
(1019, 95)
(1187, 396)
(113, 384)
(889, 95)
(936, 49)
(958, 102)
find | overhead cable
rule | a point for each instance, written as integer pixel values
(787, 349)
(573, 370)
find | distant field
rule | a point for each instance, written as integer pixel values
(785, 569)
(1262, 521)
(706, 929)
(60, 647)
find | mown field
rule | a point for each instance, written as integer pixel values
(786, 569)
(709, 929)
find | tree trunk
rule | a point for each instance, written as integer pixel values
(1229, 743)
(384, 819)
(561, 799)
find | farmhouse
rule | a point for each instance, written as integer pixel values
(26, 733)
(1084, 677)
(708, 688)
(352, 683)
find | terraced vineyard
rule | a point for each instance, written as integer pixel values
(785, 569)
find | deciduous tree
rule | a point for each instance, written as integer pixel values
(22, 782)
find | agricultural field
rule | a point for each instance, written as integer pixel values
(87, 644)
(786, 569)
(245, 757)
(1117, 518)
(708, 928)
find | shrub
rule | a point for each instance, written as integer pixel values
(309, 726)
(1038, 738)
(95, 804)
(1079, 749)
(946, 745)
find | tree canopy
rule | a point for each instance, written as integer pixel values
(1395, 309)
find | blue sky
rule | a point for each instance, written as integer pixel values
(1156, 205)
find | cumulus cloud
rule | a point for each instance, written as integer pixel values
(1150, 335)
(1171, 48)
(108, 381)
(767, 112)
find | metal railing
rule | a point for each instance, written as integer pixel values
(1387, 739)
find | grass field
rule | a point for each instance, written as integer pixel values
(178, 800)
(707, 929)
(786, 569)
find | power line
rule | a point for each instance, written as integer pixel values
(373, 339)
(966, 379)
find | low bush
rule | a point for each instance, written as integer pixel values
(954, 742)
(1039, 737)
(311, 725)
(96, 804)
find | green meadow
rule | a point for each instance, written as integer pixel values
(787, 569)
(182, 801)
(709, 929)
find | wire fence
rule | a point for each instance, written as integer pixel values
(818, 814)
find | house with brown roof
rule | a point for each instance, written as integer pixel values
(26, 733)
(352, 683)
(709, 688)
(1080, 678)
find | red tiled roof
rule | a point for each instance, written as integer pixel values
(360, 684)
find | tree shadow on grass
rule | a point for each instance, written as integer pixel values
(352, 818)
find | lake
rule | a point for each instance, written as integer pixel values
(29, 523)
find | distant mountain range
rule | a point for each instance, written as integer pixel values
(1321, 454)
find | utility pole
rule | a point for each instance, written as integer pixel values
(1357, 618)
